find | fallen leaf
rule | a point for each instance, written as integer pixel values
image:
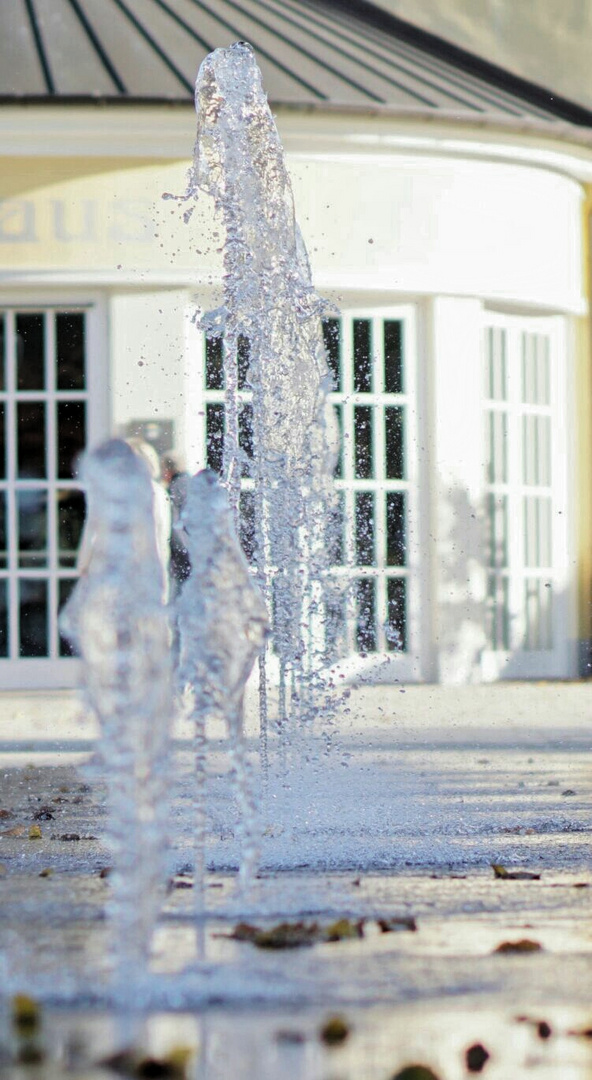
(17, 830)
(568, 791)
(43, 814)
(477, 1057)
(35, 833)
(582, 1033)
(342, 929)
(415, 1072)
(26, 1014)
(4, 814)
(522, 946)
(69, 836)
(513, 875)
(389, 925)
(334, 1031)
(105, 871)
(130, 1063)
(544, 1030)
(47, 872)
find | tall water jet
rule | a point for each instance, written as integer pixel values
(222, 625)
(118, 623)
(269, 300)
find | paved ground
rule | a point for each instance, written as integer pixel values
(420, 793)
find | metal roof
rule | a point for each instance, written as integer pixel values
(312, 52)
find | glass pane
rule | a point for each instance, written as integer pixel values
(4, 645)
(243, 355)
(396, 624)
(214, 363)
(393, 357)
(498, 613)
(247, 524)
(364, 515)
(394, 421)
(336, 531)
(536, 450)
(34, 636)
(2, 443)
(71, 437)
(3, 530)
(362, 442)
(70, 358)
(395, 529)
(538, 625)
(31, 443)
(215, 436)
(362, 335)
(366, 620)
(496, 386)
(32, 527)
(497, 453)
(332, 339)
(245, 439)
(339, 463)
(497, 530)
(71, 512)
(2, 356)
(30, 352)
(65, 588)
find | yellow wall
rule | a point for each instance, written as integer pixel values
(105, 214)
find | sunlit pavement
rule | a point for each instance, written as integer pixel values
(420, 793)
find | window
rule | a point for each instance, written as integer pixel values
(523, 484)
(43, 431)
(368, 355)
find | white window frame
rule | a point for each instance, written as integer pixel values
(516, 661)
(382, 666)
(55, 672)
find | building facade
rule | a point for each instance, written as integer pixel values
(445, 212)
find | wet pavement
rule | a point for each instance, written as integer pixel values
(397, 822)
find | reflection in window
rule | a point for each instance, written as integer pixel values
(65, 588)
(364, 518)
(247, 524)
(245, 438)
(366, 620)
(70, 351)
(31, 440)
(362, 335)
(33, 617)
(393, 356)
(332, 340)
(30, 352)
(396, 632)
(215, 436)
(363, 442)
(395, 528)
(395, 446)
(214, 363)
(71, 513)
(4, 643)
(2, 444)
(71, 421)
(3, 530)
(243, 355)
(32, 527)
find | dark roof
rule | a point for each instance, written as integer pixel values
(312, 52)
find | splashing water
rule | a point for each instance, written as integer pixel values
(270, 300)
(222, 625)
(117, 621)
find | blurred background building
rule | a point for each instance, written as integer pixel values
(444, 196)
